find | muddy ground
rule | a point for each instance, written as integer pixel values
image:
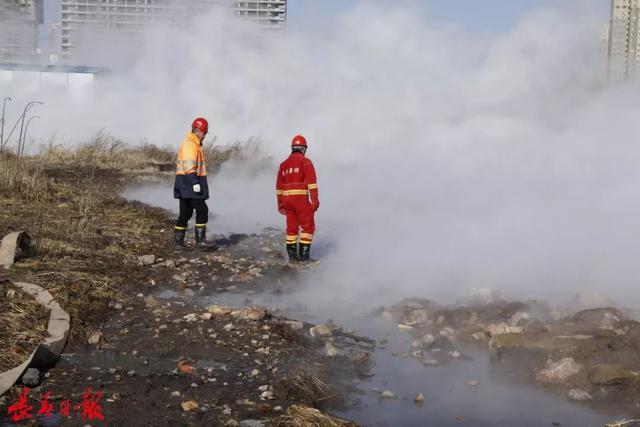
(156, 362)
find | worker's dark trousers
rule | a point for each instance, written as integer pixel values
(186, 211)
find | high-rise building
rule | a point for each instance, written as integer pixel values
(131, 16)
(19, 20)
(624, 40)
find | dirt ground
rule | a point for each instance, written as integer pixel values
(156, 362)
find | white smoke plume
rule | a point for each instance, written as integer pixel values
(446, 159)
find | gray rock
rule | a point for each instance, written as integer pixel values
(579, 395)
(251, 423)
(151, 302)
(147, 259)
(31, 377)
(559, 372)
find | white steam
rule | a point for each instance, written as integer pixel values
(445, 160)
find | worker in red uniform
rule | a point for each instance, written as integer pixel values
(297, 193)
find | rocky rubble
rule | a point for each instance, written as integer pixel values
(591, 355)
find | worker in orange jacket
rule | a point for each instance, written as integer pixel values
(191, 186)
(297, 194)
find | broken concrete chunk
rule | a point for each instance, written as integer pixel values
(320, 331)
(147, 259)
(189, 405)
(559, 372)
(611, 374)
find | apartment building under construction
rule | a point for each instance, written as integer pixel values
(132, 16)
(624, 40)
(19, 20)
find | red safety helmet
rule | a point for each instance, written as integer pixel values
(201, 124)
(299, 141)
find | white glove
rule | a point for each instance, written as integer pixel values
(196, 188)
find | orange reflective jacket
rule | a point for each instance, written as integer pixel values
(190, 170)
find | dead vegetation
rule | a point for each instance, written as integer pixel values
(305, 416)
(86, 238)
(23, 325)
(105, 151)
(306, 388)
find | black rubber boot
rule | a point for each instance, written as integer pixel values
(201, 237)
(305, 252)
(180, 234)
(201, 240)
(292, 250)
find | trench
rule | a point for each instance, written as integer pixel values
(449, 400)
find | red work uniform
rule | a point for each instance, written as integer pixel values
(297, 191)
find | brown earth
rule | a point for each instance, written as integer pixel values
(153, 365)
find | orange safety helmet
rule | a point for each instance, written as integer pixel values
(201, 124)
(299, 141)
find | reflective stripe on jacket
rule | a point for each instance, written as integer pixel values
(297, 178)
(190, 170)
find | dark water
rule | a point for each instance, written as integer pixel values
(448, 400)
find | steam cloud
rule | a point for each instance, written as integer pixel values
(446, 159)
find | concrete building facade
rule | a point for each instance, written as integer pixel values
(19, 20)
(131, 16)
(624, 40)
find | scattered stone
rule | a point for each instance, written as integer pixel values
(417, 317)
(360, 358)
(419, 398)
(559, 372)
(330, 349)
(252, 313)
(251, 423)
(403, 327)
(611, 374)
(255, 372)
(503, 328)
(387, 395)
(206, 316)
(228, 327)
(31, 377)
(294, 324)
(219, 310)
(191, 317)
(151, 302)
(189, 405)
(579, 395)
(320, 331)
(95, 337)
(266, 395)
(472, 384)
(147, 259)
(188, 292)
(175, 394)
(430, 362)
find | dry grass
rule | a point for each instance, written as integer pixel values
(23, 325)
(305, 416)
(87, 240)
(306, 388)
(20, 176)
(105, 151)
